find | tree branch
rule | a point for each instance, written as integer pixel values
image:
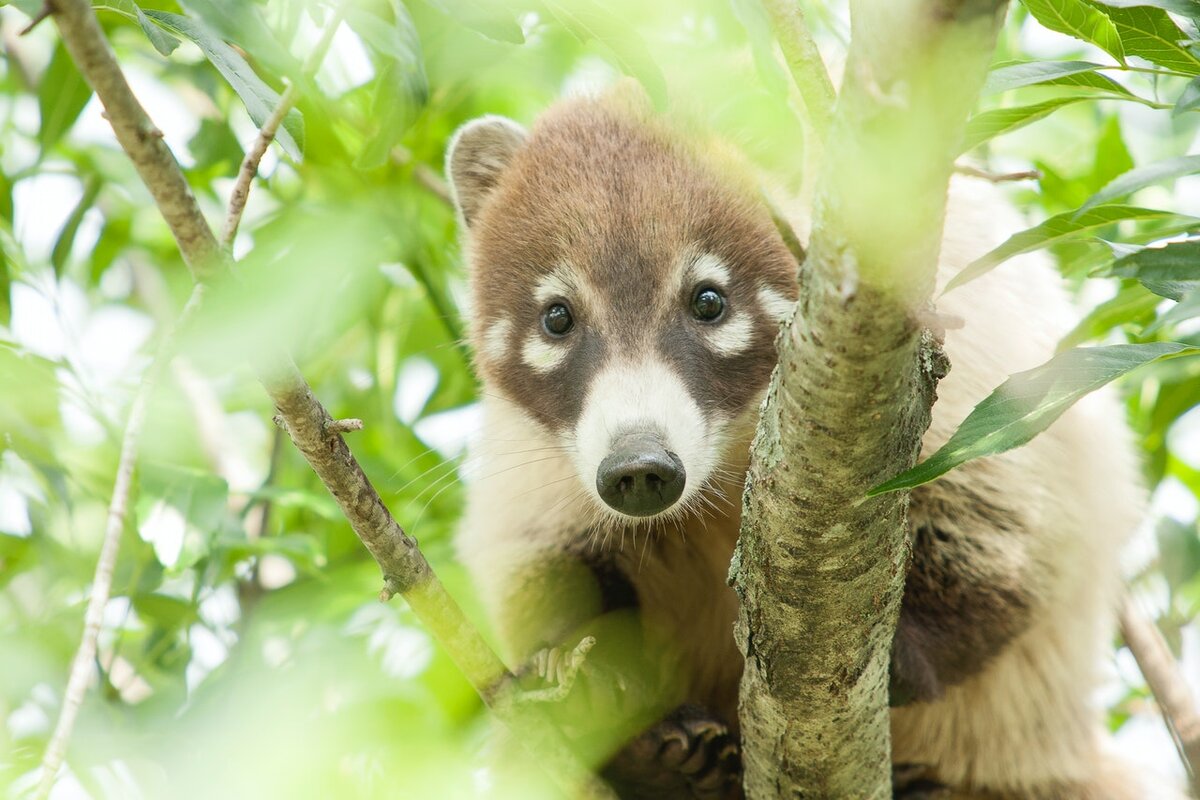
(804, 61)
(820, 569)
(118, 507)
(1171, 692)
(310, 425)
(137, 135)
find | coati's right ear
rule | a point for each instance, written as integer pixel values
(479, 152)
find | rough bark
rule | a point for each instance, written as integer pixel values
(820, 568)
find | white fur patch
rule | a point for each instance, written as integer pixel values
(776, 305)
(543, 356)
(562, 283)
(731, 336)
(710, 270)
(495, 340)
(645, 396)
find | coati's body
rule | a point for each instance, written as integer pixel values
(1009, 601)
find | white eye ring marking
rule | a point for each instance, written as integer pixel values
(495, 340)
(731, 336)
(776, 305)
(711, 270)
(562, 282)
(541, 355)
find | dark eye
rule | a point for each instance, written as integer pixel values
(557, 320)
(708, 305)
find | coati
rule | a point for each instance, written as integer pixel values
(626, 288)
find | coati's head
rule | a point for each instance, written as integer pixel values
(625, 293)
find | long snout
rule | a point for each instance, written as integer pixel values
(640, 477)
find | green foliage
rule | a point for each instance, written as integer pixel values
(1028, 402)
(243, 624)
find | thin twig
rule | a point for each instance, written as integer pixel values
(404, 567)
(118, 507)
(249, 168)
(37, 18)
(998, 177)
(1170, 691)
(424, 175)
(803, 60)
(266, 135)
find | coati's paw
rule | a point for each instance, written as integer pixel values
(914, 782)
(553, 671)
(687, 755)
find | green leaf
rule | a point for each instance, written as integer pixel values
(990, 124)
(1188, 8)
(1150, 33)
(588, 20)
(260, 100)
(753, 17)
(483, 16)
(1061, 227)
(163, 610)
(30, 8)
(1170, 271)
(1141, 177)
(242, 23)
(401, 87)
(163, 42)
(1187, 308)
(1133, 304)
(1028, 402)
(1077, 18)
(62, 94)
(66, 237)
(1189, 98)
(1004, 77)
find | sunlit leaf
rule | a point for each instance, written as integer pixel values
(762, 44)
(66, 236)
(242, 23)
(1028, 402)
(1187, 308)
(1150, 33)
(1188, 8)
(588, 20)
(1077, 18)
(62, 94)
(401, 87)
(163, 42)
(990, 124)
(1189, 98)
(29, 8)
(260, 100)
(1141, 177)
(483, 16)
(1067, 225)
(1082, 74)
(1133, 304)
(1170, 271)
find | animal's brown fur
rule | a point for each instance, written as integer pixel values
(1008, 606)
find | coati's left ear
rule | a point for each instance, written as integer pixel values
(479, 152)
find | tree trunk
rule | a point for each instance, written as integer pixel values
(819, 568)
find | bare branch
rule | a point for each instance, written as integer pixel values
(266, 135)
(249, 168)
(803, 60)
(137, 135)
(43, 14)
(998, 177)
(85, 657)
(423, 175)
(1174, 699)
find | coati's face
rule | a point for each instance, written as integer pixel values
(623, 294)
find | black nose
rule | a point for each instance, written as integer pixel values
(640, 477)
